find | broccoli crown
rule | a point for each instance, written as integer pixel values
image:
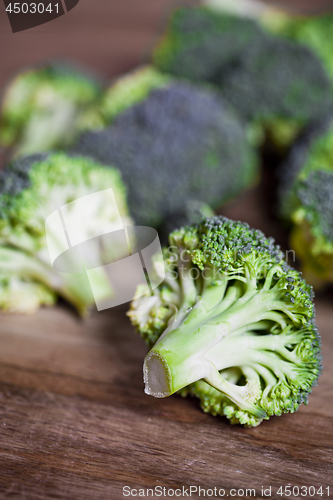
(46, 107)
(315, 195)
(31, 189)
(233, 324)
(278, 79)
(262, 76)
(179, 143)
(310, 152)
(305, 201)
(314, 31)
(131, 89)
(199, 43)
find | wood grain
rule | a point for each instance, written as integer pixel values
(76, 424)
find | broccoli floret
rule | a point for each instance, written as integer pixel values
(306, 202)
(47, 108)
(280, 80)
(31, 189)
(278, 83)
(314, 32)
(200, 43)
(180, 143)
(234, 324)
(131, 89)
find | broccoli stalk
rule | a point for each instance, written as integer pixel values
(240, 321)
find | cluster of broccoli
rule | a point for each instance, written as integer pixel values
(278, 83)
(164, 141)
(147, 112)
(232, 324)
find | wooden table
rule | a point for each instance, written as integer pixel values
(75, 422)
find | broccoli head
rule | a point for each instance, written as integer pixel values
(278, 83)
(280, 80)
(180, 143)
(200, 43)
(131, 89)
(312, 31)
(32, 188)
(306, 202)
(312, 230)
(47, 108)
(232, 324)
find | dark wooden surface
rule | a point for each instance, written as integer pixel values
(74, 420)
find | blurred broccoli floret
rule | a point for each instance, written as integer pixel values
(32, 188)
(306, 200)
(314, 32)
(200, 43)
(281, 80)
(131, 89)
(232, 324)
(278, 83)
(178, 144)
(47, 108)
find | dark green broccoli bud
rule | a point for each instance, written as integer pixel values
(278, 83)
(312, 231)
(305, 201)
(200, 43)
(281, 79)
(316, 198)
(310, 151)
(131, 89)
(48, 107)
(180, 143)
(31, 189)
(233, 324)
(314, 32)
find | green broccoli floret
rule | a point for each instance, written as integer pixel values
(199, 44)
(47, 108)
(130, 90)
(312, 31)
(180, 143)
(280, 80)
(278, 83)
(233, 324)
(312, 230)
(305, 196)
(32, 188)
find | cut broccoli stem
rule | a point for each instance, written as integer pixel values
(199, 346)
